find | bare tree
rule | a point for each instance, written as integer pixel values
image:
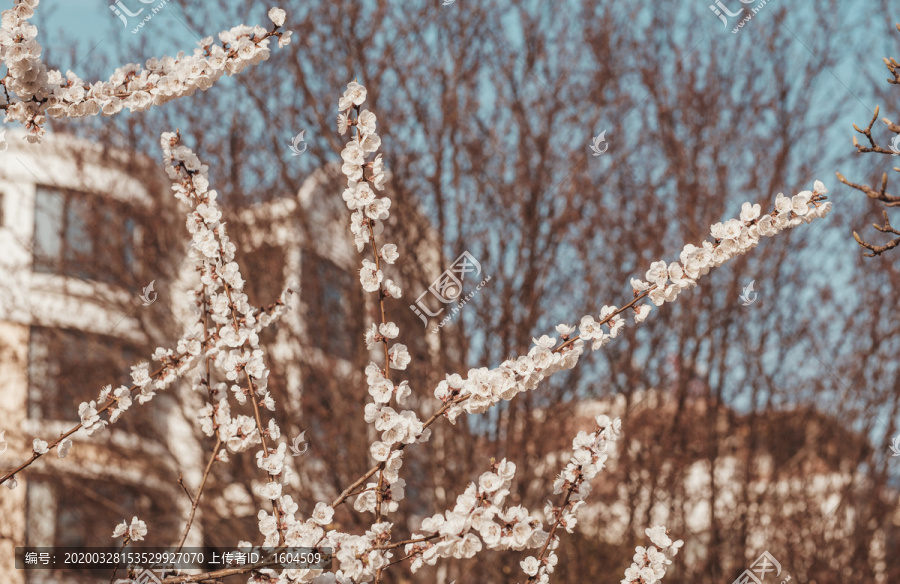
(879, 194)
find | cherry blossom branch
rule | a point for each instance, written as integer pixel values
(588, 459)
(363, 557)
(175, 364)
(47, 92)
(214, 254)
(650, 564)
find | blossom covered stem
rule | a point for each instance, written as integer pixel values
(44, 92)
(551, 535)
(589, 455)
(35, 455)
(214, 254)
(349, 491)
(384, 342)
(637, 298)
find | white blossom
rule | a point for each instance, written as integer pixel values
(370, 276)
(133, 532)
(651, 563)
(389, 253)
(399, 356)
(277, 15)
(322, 514)
(39, 446)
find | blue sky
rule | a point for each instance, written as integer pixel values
(74, 31)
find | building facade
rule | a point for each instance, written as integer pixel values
(88, 288)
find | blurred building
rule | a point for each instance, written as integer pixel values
(73, 235)
(771, 474)
(84, 231)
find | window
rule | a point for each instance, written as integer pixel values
(67, 367)
(82, 235)
(334, 306)
(76, 511)
(263, 270)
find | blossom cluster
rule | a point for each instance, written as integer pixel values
(589, 455)
(46, 92)
(477, 516)
(482, 387)
(133, 532)
(650, 563)
(222, 283)
(732, 237)
(357, 555)
(369, 210)
(364, 178)
(239, 357)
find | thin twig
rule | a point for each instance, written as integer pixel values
(195, 502)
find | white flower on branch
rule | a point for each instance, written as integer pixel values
(277, 16)
(530, 565)
(399, 356)
(39, 446)
(380, 451)
(355, 95)
(392, 289)
(322, 514)
(90, 419)
(370, 276)
(63, 448)
(133, 532)
(389, 253)
(641, 313)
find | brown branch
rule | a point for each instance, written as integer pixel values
(867, 132)
(550, 535)
(408, 541)
(880, 249)
(186, 492)
(156, 374)
(889, 200)
(195, 502)
(882, 195)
